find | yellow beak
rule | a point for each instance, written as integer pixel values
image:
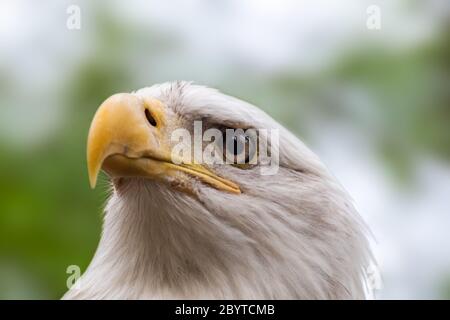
(130, 137)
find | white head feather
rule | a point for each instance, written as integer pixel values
(295, 235)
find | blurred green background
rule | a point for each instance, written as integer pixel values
(374, 104)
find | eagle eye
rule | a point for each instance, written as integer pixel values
(239, 148)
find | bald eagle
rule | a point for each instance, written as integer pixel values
(215, 231)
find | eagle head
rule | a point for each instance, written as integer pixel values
(179, 224)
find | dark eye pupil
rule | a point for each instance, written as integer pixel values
(235, 146)
(239, 146)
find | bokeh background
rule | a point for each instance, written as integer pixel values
(373, 104)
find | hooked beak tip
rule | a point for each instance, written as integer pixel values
(93, 175)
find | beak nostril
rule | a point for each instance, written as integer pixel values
(150, 118)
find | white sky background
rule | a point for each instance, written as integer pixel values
(413, 247)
